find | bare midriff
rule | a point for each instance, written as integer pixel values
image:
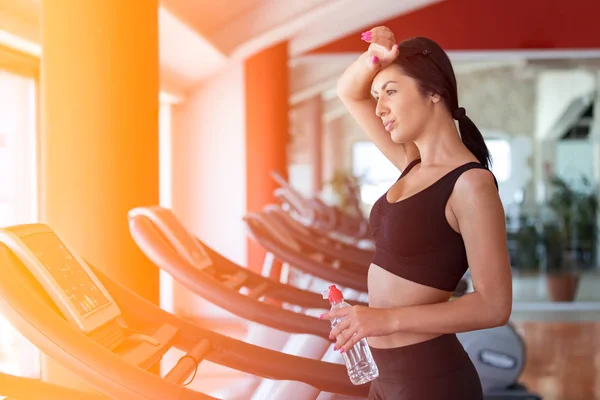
(387, 290)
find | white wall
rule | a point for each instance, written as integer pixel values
(209, 166)
(556, 90)
(556, 94)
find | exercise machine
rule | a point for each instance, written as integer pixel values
(280, 317)
(325, 219)
(329, 269)
(315, 241)
(110, 337)
(204, 271)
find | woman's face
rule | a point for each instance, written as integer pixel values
(403, 109)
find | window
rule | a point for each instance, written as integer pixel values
(501, 158)
(375, 172)
(18, 196)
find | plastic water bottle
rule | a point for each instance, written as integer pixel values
(359, 361)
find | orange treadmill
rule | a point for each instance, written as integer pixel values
(110, 337)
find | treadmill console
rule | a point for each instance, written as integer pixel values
(65, 276)
(176, 234)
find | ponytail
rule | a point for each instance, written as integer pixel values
(472, 138)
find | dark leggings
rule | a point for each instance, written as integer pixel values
(437, 369)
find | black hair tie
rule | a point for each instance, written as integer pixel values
(459, 113)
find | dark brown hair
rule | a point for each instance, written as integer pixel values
(428, 64)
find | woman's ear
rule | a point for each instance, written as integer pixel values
(436, 98)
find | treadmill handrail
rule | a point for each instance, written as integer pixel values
(345, 278)
(319, 214)
(275, 230)
(234, 353)
(160, 252)
(332, 247)
(298, 203)
(332, 236)
(23, 388)
(263, 221)
(277, 290)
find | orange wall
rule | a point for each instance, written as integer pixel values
(267, 93)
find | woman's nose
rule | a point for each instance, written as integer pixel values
(381, 110)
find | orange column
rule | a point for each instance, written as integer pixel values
(99, 144)
(266, 77)
(99, 133)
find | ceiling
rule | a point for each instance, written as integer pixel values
(21, 18)
(240, 27)
(198, 38)
(477, 25)
(207, 17)
(244, 27)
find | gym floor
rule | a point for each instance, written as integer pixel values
(562, 359)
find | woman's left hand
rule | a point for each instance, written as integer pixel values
(359, 322)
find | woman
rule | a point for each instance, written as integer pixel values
(442, 216)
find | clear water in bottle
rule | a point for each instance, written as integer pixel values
(359, 361)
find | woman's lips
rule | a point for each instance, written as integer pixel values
(389, 124)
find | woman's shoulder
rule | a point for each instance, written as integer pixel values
(476, 181)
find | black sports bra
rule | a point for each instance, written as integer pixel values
(413, 238)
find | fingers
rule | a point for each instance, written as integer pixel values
(347, 339)
(380, 35)
(382, 31)
(340, 312)
(348, 342)
(373, 61)
(343, 325)
(384, 42)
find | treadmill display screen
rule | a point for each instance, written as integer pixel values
(77, 285)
